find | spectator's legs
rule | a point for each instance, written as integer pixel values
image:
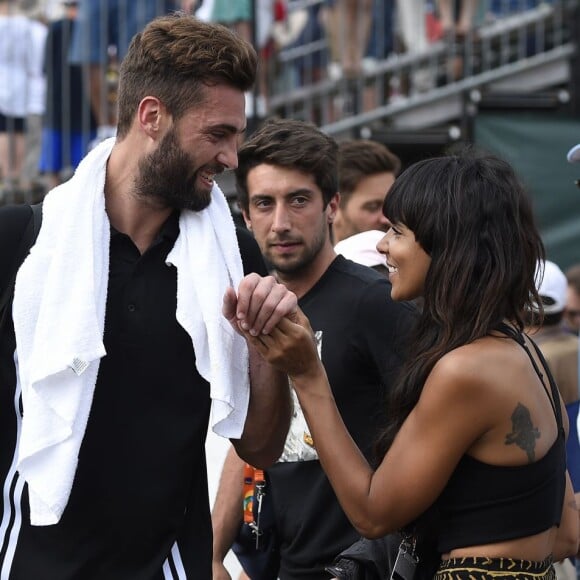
(348, 26)
(457, 21)
(98, 95)
(94, 31)
(380, 46)
(254, 27)
(32, 145)
(446, 16)
(465, 23)
(12, 148)
(329, 18)
(244, 29)
(413, 30)
(354, 29)
(412, 26)
(457, 16)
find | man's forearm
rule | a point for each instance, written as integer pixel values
(268, 417)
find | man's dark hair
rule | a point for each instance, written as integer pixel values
(536, 318)
(360, 158)
(174, 58)
(291, 144)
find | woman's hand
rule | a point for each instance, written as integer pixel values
(290, 346)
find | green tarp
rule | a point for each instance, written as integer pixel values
(536, 145)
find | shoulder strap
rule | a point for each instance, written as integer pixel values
(28, 239)
(553, 386)
(519, 338)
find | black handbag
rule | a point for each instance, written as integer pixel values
(418, 557)
(367, 559)
(410, 554)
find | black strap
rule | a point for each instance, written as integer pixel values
(519, 338)
(27, 241)
(553, 386)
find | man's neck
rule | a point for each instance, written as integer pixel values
(127, 213)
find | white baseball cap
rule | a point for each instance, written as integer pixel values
(574, 154)
(552, 284)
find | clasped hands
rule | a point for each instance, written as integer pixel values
(266, 313)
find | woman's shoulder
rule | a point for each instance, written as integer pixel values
(476, 360)
(472, 393)
(489, 376)
(476, 374)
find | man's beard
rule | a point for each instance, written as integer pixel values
(305, 260)
(167, 177)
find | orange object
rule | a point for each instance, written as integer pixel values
(254, 482)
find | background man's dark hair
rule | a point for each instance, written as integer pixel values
(174, 58)
(360, 158)
(291, 144)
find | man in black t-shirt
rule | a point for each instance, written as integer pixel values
(123, 330)
(287, 183)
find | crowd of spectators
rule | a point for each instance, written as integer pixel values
(61, 97)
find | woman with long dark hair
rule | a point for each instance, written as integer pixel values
(477, 428)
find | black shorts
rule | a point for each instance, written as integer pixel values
(12, 124)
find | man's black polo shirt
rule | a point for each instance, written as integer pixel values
(139, 506)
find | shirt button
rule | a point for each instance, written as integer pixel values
(131, 308)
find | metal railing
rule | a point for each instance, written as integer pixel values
(412, 73)
(533, 38)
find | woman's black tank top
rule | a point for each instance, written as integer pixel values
(484, 503)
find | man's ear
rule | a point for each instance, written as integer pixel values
(247, 219)
(152, 116)
(332, 208)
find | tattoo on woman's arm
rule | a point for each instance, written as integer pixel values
(523, 434)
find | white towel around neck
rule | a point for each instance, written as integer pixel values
(59, 316)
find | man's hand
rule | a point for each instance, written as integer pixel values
(259, 305)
